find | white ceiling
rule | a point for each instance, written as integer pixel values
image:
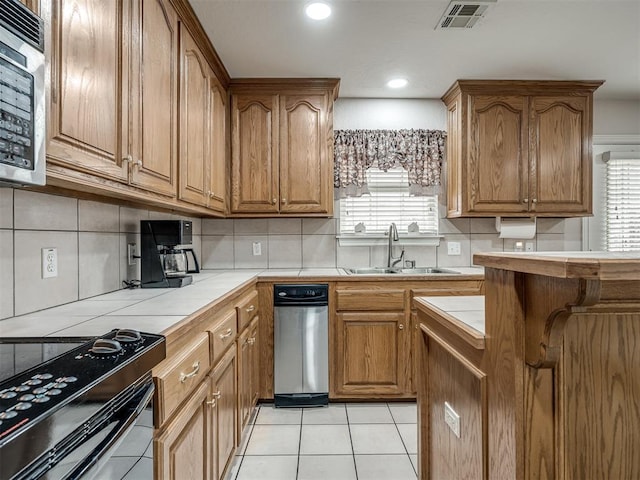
(367, 42)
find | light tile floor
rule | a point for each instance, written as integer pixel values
(353, 441)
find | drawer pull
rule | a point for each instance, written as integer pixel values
(227, 333)
(211, 403)
(251, 341)
(185, 376)
(217, 395)
(250, 309)
(401, 327)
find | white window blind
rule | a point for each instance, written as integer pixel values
(622, 223)
(389, 201)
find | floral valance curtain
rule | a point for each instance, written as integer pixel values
(419, 152)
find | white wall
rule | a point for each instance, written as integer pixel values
(616, 128)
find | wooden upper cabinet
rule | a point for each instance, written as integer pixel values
(498, 164)
(562, 180)
(282, 147)
(154, 82)
(305, 170)
(194, 121)
(254, 153)
(87, 51)
(217, 159)
(519, 148)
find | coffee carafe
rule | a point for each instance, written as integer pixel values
(164, 260)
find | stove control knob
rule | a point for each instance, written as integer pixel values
(41, 399)
(33, 381)
(23, 406)
(27, 397)
(126, 335)
(70, 379)
(8, 414)
(39, 390)
(22, 388)
(7, 395)
(54, 391)
(104, 347)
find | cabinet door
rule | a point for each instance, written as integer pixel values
(183, 448)
(560, 152)
(154, 103)
(217, 146)
(244, 380)
(306, 171)
(254, 154)
(88, 100)
(194, 121)
(497, 169)
(371, 354)
(255, 364)
(225, 392)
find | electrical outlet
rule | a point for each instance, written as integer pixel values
(257, 249)
(529, 247)
(49, 262)
(452, 419)
(453, 248)
(131, 253)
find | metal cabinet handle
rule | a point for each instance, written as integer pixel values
(185, 376)
(535, 200)
(128, 158)
(211, 194)
(227, 333)
(273, 201)
(526, 200)
(251, 340)
(217, 395)
(284, 201)
(401, 327)
(138, 163)
(250, 309)
(211, 403)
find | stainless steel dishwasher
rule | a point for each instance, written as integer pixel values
(301, 345)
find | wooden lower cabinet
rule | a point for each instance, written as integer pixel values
(451, 384)
(183, 449)
(223, 420)
(370, 354)
(248, 381)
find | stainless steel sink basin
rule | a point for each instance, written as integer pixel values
(398, 271)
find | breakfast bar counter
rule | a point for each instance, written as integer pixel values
(552, 390)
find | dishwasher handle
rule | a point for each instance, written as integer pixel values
(301, 295)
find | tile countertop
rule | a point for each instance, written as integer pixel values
(462, 315)
(156, 310)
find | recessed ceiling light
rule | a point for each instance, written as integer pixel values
(397, 83)
(318, 11)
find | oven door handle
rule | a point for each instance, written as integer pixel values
(96, 459)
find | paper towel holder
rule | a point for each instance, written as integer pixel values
(516, 227)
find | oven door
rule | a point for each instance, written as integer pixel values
(113, 444)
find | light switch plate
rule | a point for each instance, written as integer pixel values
(453, 248)
(452, 419)
(49, 262)
(257, 248)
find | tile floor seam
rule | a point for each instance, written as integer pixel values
(299, 444)
(353, 451)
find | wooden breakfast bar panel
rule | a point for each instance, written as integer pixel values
(554, 391)
(562, 363)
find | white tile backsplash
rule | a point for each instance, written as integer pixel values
(98, 263)
(39, 211)
(32, 292)
(98, 217)
(6, 207)
(92, 238)
(6, 273)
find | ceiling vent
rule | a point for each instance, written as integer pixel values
(461, 14)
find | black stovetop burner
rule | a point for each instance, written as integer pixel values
(51, 399)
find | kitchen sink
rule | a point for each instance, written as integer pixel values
(398, 271)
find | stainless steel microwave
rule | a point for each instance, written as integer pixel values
(22, 98)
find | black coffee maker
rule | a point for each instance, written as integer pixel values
(164, 260)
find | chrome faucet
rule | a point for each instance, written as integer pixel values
(393, 237)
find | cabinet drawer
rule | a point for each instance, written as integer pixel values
(222, 335)
(371, 300)
(247, 309)
(179, 375)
